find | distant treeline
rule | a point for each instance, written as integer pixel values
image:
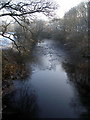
(72, 30)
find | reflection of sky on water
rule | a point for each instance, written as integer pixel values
(51, 82)
(49, 85)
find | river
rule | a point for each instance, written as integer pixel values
(53, 94)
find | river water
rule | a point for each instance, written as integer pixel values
(48, 85)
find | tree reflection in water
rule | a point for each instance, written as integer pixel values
(21, 103)
(78, 74)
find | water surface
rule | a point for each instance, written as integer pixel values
(53, 94)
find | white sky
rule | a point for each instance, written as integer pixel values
(65, 5)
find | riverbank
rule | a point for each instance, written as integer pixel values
(14, 64)
(13, 68)
(51, 71)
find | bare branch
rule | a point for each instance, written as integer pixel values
(22, 25)
(20, 11)
(3, 5)
(17, 46)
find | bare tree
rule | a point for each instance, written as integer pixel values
(23, 10)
